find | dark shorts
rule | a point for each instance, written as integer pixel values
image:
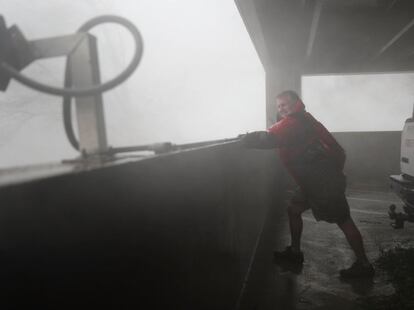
(322, 189)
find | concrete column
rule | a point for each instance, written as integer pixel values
(278, 80)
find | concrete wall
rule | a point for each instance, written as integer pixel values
(371, 156)
(178, 231)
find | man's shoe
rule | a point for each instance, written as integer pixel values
(288, 256)
(357, 270)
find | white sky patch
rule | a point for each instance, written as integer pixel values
(200, 77)
(366, 102)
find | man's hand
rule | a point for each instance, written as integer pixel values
(259, 140)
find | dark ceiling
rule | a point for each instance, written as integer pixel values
(332, 36)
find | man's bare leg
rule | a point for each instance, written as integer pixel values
(292, 253)
(296, 226)
(354, 238)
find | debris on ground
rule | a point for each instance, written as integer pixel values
(397, 264)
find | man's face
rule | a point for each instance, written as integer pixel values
(284, 106)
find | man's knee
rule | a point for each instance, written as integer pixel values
(295, 209)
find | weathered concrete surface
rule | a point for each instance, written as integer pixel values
(177, 231)
(318, 285)
(188, 229)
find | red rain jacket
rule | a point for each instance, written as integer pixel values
(294, 136)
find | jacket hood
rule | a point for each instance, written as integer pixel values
(299, 106)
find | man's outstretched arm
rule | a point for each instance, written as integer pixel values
(260, 140)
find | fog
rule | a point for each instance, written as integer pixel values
(199, 79)
(374, 102)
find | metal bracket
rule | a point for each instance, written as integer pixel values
(84, 69)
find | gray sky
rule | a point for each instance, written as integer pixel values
(200, 77)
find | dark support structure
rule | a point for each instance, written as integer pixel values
(179, 231)
(189, 230)
(297, 37)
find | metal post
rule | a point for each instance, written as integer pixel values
(84, 68)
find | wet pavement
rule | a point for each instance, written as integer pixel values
(317, 285)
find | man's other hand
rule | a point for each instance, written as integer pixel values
(259, 140)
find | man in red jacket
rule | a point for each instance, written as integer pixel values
(315, 160)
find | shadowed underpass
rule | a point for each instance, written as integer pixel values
(195, 228)
(187, 230)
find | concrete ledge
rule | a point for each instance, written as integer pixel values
(177, 230)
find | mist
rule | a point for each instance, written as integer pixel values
(362, 102)
(199, 79)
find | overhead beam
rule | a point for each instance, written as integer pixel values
(314, 27)
(394, 39)
(251, 19)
